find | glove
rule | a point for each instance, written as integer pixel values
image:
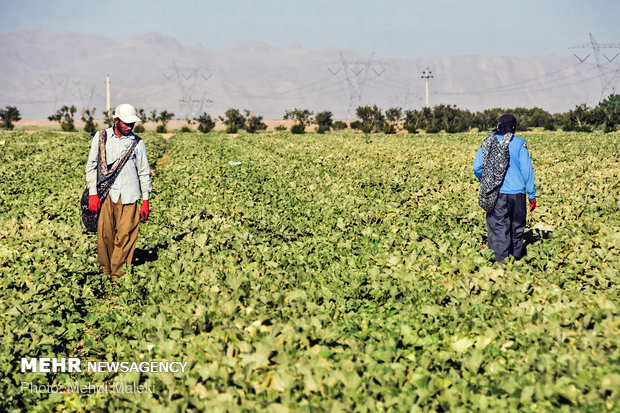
(93, 203)
(532, 204)
(144, 211)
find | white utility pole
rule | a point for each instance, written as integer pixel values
(427, 74)
(107, 93)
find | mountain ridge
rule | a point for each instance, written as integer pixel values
(42, 70)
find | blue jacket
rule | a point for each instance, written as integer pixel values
(519, 178)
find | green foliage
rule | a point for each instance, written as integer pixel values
(302, 118)
(163, 118)
(568, 127)
(389, 129)
(356, 125)
(324, 121)
(612, 101)
(449, 119)
(488, 118)
(142, 114)
(231, 128)
(139, 127)
(108, 118)
(8, 115)
(371, 118)
(609, 110)
(89, 122)
(319, 275)
(253, 123)
(393, 116)
(339, 125)
(64, 116)
(413, 120)
(205, 123)
(234, 120)
(298, 129)
(186, 129)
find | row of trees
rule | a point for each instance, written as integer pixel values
(370, 119)
(234, 120)
(449, 118)
(65, 116)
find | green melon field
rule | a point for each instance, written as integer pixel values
(327, 272)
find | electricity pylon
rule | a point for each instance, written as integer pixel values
(357, 75)
(193, 97)
(595, 47)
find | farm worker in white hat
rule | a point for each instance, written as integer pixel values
(118, 176)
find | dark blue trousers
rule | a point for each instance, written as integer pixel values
(505, 226)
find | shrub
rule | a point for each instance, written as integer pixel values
(609, 127)
(186, 129)
(433, 128)
(457, 128)
(139, 127)
(393, 117)
(411, 128)
(371, 118)
(584, 128)
(205, 123)
(389, 129)
(234, 120)
(108, 119)
(163, 118)
(87, 118)
(301, 116)
(356, 125)
(254, 123)
(280, 128)
(324, 121)
(339, 125)
(232, 128)
(64, 116)
(8, 115)
(298, 129)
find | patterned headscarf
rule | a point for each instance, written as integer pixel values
(106, 174)
(495, 162)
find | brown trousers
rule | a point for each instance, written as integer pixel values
(117, 233)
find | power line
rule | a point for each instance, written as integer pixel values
(191, 85)
(532, 88)
(606, 83)
(357, 75)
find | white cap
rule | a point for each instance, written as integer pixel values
(126, 113)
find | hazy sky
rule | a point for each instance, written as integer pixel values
(390, 28)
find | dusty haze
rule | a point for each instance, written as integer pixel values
(42, 70)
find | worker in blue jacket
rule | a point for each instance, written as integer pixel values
(506, 220)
